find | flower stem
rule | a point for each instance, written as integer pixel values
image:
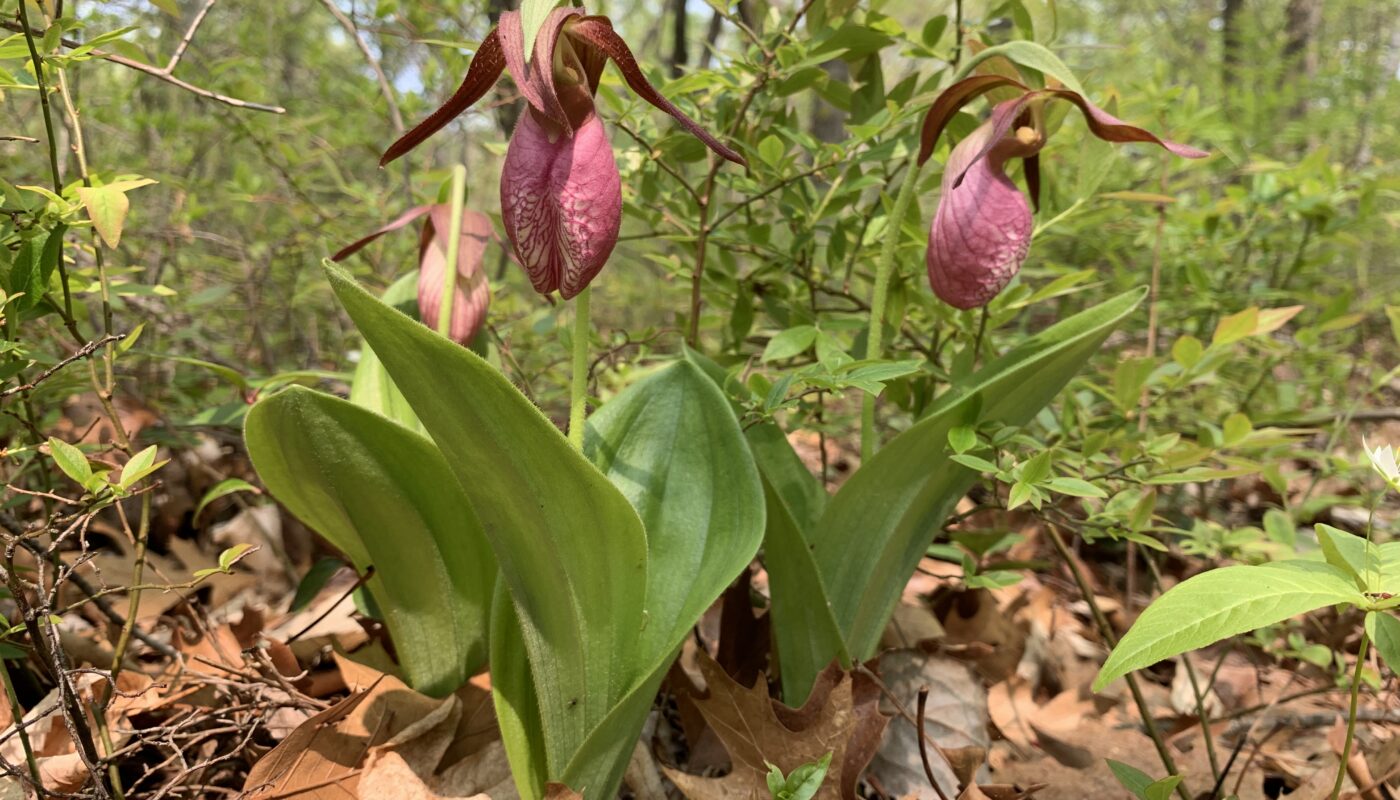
(874, 342)
(454, 244)
(578, 399)
(1351, 715)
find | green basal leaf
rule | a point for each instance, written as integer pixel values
(1222, 603)
(879, 524)
(384, 496)
(660, 442)
(672, 445)
(372, 387)
(380, 493)
(513, 694)
(572, 551)
(809, 639)
(795, 501)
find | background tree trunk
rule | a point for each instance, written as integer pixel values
(506, 113)
(1299, 76)
(828, 121)
(1230, 37)
(680, 51)
(711, 37)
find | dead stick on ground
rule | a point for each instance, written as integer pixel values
(369, 573)
(923, 748)
(904, 712)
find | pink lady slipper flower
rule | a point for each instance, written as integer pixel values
(473, 294)
(561, 195)
(982, 229)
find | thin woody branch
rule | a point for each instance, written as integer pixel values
(82, 353)
(385, 88)
(162, 73)
(188, 37)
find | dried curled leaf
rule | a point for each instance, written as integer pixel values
(388, 741)
(841, 717)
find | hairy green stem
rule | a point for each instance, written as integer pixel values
(454, 244)
(874, 342)
(578, 396)
(1351, 715)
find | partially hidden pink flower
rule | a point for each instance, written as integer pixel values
(561, 195)
(472, 293)
(981, 231)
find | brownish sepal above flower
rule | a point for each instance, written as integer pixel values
(561, 194)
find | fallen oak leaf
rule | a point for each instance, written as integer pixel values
(410, 766)
(841, 717)
(965, 762)
(330, 755)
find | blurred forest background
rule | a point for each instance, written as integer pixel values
(1217, 425)
(1299, 98)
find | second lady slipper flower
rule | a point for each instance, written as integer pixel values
(561, 194)
(472, 295)
(981, 231)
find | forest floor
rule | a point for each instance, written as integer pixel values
(268, 677)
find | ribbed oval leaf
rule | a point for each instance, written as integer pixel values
(572, 550)
(879, 524)
(1222, 603)
(672, 445)
(385, 497)
(809, 639)
(372, 387)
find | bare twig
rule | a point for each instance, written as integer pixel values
(923, 747)
(158, 72)
(903, 711)
(384, 87)
(83, 352)
(369, 573)
(188, 37)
